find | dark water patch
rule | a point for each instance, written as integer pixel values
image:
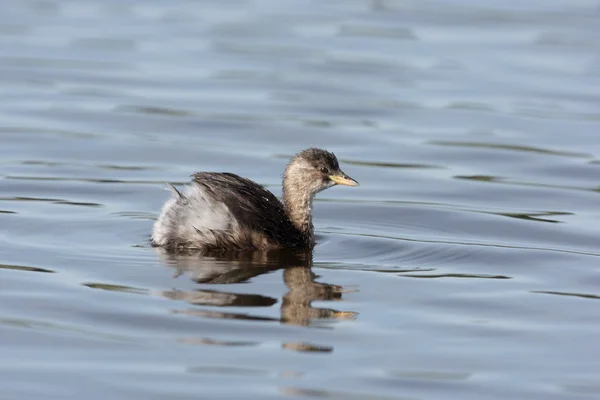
(465, 105)
(115, 288)
(228, 371)
(7, 212)
(379, 270)
(60, 64)
(478, 276)
(480, 178)
(91, 180)
(78, 203)
(432, 375)
(216, 342)
(52, 201)
(155, 111)
(389, 164)
(82, 165)
(26, 268)
(536, 216)
(126, 167)
(582, 295)
(498, 146)
(507, 181)
(21, 198)
(37, 131)
(554, 114)
(137, 215)
(391, 32)
(332, 394)
(44, 163)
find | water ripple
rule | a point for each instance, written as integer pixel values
(26, 268)
(508, 147)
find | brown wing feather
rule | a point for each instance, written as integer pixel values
(257, 211)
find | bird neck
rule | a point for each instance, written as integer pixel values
(298, 206)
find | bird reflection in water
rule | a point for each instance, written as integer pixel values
(236, 267)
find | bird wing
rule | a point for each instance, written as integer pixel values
(251, 205)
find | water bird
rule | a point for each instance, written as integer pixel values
(224, 211)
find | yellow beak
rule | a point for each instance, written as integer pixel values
(343, 179)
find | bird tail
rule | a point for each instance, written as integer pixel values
(175, 191)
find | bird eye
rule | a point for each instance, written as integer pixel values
(324, 170)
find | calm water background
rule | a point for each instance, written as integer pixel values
(465, 266)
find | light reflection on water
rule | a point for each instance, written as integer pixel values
(465, 266)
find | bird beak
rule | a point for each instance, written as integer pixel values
(341, 178)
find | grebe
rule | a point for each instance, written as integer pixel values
(223, 211)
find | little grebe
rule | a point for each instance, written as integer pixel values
(223, 211)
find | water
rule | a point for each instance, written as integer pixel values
(465, 266)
